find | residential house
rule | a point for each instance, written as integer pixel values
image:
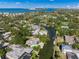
(77, 39)
(66, 48)
(6, 35)
(19, 52)
(42, 32)
(33, 42)
(76, 52)
(36, 29)
(69, 39)
(25, 56)
(71, 55)
(6, 44)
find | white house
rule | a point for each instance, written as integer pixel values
(41, 44)
(66, 48)
(69, 39)
(42, 32)
(36, 29)
(6, 35)
(33, 42)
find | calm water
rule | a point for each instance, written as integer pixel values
(18, 10)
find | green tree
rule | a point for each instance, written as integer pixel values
(75, 45)
(2, 52)
(21, 35)
(46, 52)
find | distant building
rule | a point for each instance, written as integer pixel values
(69, 39)
(19, 52)
(65, 27)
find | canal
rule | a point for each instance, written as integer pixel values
(48, 50)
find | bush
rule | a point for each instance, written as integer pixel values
(75, 45)
(47, 51)
(18, 40)
(43, 38)
(21, 36)
(37, 48)
(57, 54)
(34, 55)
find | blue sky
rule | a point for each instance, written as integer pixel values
(39, 3)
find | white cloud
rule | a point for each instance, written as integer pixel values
(76, 6)
(18, 2)
(68, 6)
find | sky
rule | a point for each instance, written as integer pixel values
(39, 3)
